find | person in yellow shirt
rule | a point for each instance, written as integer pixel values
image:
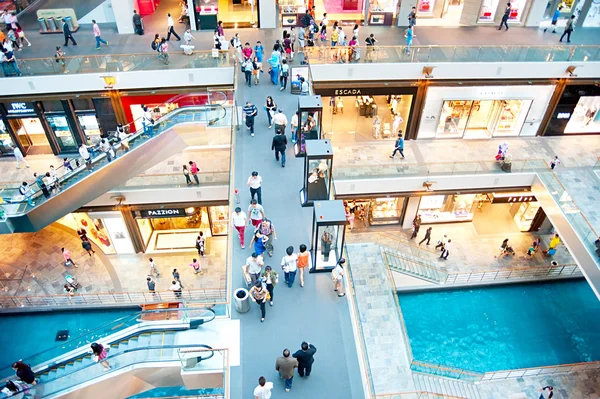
(554, 242)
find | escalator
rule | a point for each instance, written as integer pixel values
(188, 125)
(145, 342)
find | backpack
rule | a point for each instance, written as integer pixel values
(316, 28)
(154, 46)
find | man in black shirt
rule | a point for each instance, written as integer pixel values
(505, 17)
(279, 144)
(305, 358)
(370, 47)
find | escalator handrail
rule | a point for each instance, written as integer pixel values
(36, 193)
(111, 357)
(75, 356)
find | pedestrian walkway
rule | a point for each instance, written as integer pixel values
(313, 313)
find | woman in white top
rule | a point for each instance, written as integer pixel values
(289, 264)
(355, 31)
(337, 275)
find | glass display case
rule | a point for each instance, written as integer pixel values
(219, 220)
(318, 165)
(90, 127)
(446, 208)
(6, 143)
(385, 211)
(526, 215)
(60, 126)
(328, 234)
(310, 111)
(292, 12)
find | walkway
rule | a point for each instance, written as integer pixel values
(313, 313)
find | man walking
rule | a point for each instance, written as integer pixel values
(153, 268)
(554, 19)
(446, 250)
(305, 358)
(279, 144)
(238, 219)
(568, 29)
(280, 121)
(151, 285)
(68, 34)
(442, 242)
(138, 28)
(370, 47)
(250, 111)
(254, 265)
(555, 161)
(427, 236)
(20, 158)
(285, 365)
(171, 29)
(505, 17)
(256, 213)
(97, 34)
(398, 146)
(255, 183)
(263, 390)
(416, 226)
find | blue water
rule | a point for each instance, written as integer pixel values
(162, 392)
(26, 334)
(504, 327)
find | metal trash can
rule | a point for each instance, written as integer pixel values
(51, 24)
(42, 24)
(241, 299)
(69, 21)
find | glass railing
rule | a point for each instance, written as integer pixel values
(118, 361)
(434, 53)
(395, 170)
(16, 204)
(172, 180)
(183, 314)
(417, 395)
(110, 63)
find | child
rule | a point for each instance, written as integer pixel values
(196, 266)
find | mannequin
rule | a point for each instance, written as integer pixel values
(397, 122)
(326, 241)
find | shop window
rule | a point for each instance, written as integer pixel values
(31, 134)
(425, 7)
(219, 220)
(453, 118)
(60, 127)
(585, 117)
(384, 211)
(90, 127)
(95, 229)
(83, 104)
(446, 208)
(6, 143)
(488, 10)
(517, 7)
(360, 118)
(53, 106)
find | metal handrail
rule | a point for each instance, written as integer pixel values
(203, 296)
(446, 368)
(430, 267)
(404, 241)
(568, 269)
(416, 395)
(530, 370)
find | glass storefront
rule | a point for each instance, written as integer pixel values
(60, 127)
(576, 111)
(425, 7)
(329, 246)
(31, 134)
(482, 119)
(90, 127)
(517, 8)
(219, 220)
(376, 212)
(6, 143)
(488, 11)
(585, 117)
(366, 117)
(233, 13)
(446, 208)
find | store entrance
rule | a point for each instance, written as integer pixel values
(448, 14)
(179, 228)
(365, 118)
(31, 134)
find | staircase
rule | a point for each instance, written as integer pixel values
(412, 265)
(445, 386)
(53, 382)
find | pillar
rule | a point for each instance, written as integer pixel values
(267, 14)
(123, 10)
(412, 207)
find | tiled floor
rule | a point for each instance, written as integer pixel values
(32, 265)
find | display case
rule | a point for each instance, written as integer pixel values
(6, 143)
(385, 211)
(526, 215)
(219, 220)
(328, 234)
(318, 165)
(310, 112)
(291, 12)
(446, 208)
(297, 72)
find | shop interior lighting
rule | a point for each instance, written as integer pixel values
(190, 210)
(109, 81)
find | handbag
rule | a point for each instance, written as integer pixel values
(95, 358)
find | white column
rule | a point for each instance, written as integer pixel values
(411, 211)
(267, 10)
(123, 10)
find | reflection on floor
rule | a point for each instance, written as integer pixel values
(496, 218)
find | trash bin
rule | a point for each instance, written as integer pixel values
(242, 300)
(42, 24)
(554, 263)
(51, 24)
(69, 21)
(59, 22)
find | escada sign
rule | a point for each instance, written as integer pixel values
(158, 213)
(348, 92)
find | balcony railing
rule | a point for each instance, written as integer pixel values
(538, 371)
(520, 273)
(417, 395)
(434, 53)
(111, 63)
(205, 296)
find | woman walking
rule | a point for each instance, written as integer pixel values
(99, 355)
(259, 240)
(270, 278)
(337, 275)
(260, 296)
(274, 63)
(21, 35)
(270, 108)
(302, 262)
(186, 173)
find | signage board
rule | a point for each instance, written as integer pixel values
(162, 213)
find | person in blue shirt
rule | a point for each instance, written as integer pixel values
(398, 146)
(409, 39)
(259, 50)
(554, 19)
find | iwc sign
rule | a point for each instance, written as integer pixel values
(160, 213)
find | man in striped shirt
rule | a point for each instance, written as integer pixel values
(250, 111)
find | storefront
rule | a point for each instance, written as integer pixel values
(516, 211)
(151, 228)
(480, 112)
(53, 126)
(366, 113)
(233, 13)
(576, 112)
